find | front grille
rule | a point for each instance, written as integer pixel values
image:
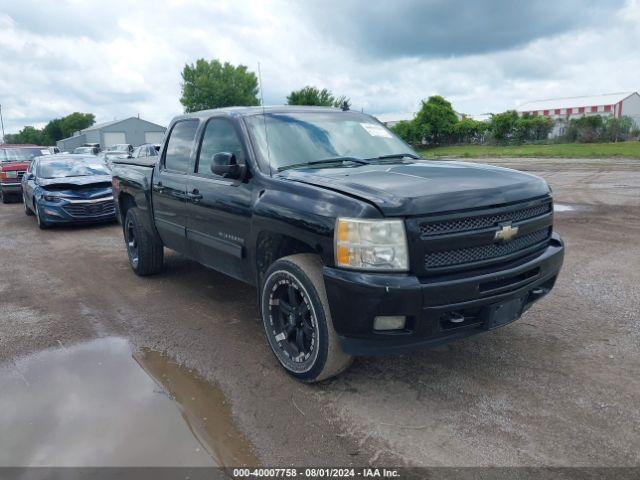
(466, 240)
(21, 174)
(484, 252)
(98, 209)
(483, 221)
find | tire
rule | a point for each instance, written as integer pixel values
(301, 335)
(145, 251)
(27, 211)
(42, 222)
(5, 199)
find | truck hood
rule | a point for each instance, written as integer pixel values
(93, 186)
(423, 187)
(12, 166)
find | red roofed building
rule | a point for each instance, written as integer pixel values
(564, 109)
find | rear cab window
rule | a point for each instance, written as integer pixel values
(181, 139)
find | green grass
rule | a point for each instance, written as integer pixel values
(559, 150)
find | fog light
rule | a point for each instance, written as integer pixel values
(389, 323)
(53, 213)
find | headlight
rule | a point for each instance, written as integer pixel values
(12, 174)
(371, 244)
(51, 198)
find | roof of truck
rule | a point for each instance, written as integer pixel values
(20, 145)
(246, 111)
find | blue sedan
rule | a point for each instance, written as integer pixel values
(68, 189)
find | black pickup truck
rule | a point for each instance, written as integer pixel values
(356, 245)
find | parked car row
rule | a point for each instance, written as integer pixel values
(56, 188)
(14, 162)
(63, 188)
(121, 150)
(68, 189)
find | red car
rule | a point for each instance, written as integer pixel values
(14, 161)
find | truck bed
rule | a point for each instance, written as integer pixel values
(140, 162)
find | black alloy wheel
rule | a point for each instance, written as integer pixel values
(132, 242)
(297, 320)
(293, 320)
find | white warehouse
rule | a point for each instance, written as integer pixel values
(133, 130)
(564, 109)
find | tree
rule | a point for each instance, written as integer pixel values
(469, 130)
(540, 128)
(407, 131)
(503, 126)
(74, 122)
(435, 119)
(585, 129)
(214, 85)
(28, 135)
(55, 130)
(619, 129)
(314, 96)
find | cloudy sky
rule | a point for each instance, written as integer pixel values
(122, 58)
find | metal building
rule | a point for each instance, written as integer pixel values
(133, 130)
(563, 109)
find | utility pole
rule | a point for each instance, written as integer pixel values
(2, 123)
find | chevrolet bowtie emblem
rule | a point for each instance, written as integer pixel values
(506, 233)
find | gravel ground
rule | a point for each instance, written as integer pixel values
(559, 387)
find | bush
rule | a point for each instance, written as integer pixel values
(435, 120)
(437, 123)
(503, 127)
(407, 131)
(585, 129)
(469, 130)
(618, 129)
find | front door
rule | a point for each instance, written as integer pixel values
(219, 209)
(170, 185)
(29, 183)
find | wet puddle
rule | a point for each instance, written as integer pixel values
(96, 404)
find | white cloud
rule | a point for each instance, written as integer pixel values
(123, 58)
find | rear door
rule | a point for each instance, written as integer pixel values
(219, 209)
(170, 185)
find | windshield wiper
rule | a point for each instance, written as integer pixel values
(393, 156)
(329, 161)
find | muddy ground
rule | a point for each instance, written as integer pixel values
(559, 387)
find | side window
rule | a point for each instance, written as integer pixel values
(136, 152)
(179, 146)
(219, 136)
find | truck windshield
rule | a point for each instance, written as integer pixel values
(299, 138)
(21, 154)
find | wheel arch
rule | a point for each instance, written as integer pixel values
(125, 202)
(271, 246)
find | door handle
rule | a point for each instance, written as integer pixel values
(158, 187)
(195, 195)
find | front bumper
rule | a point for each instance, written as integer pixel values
(356, 298)
(11, 188)
(60, 212)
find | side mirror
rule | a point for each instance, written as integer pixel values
(30, 176)
(226, 165)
